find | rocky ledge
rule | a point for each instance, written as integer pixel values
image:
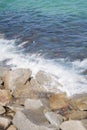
(26, 105)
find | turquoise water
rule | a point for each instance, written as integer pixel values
(48, 35)
(47, 7)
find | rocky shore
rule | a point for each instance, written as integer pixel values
(26, 105)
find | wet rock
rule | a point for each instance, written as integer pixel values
(33, 104)
(5, 97)
(54, 119)
(2, 110)
(47, 81)
(72, 125)
(58, 101)
(12, 127)
(42, 78)
(36, 86)
(18, 77)
(22, 122)
(4, 122)
(77, 115)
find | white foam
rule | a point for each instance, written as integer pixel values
(65, 73)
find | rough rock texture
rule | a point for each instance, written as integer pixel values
(54, 119)
(42, 78)
(12, 127)
(84, 122)
(2, 110)
(77, 115)
(18, 77)
(5, 97)
(33, 104)
(4, 123)
(37, 87)
(58, 101)
(23, 123)
(72, 125)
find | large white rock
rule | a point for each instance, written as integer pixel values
(33, 104)
(23, 123)
(17, 78)
(54, 119)
(72, 125)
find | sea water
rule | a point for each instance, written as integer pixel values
(48, 35)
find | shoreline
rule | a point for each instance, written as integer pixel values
(23, 97)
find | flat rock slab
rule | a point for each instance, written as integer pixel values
(72, 125)
(33, 103)
(23, 123)
(54, 119)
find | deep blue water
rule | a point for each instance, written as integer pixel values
(48, 35)
(57, 29)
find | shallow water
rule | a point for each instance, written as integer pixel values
(46, 35)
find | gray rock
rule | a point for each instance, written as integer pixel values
(72, 125)
(33, 103)
(54, 119)
(84, 122)
(23, 123)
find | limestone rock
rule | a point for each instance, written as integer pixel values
(4, 123)
(54, 119)
(17, 78)
(77, 115)
(81, 101)
(4, 72)
(50, 83)
(12, 127)
(72, 125)
(37, 87)
(2, 110)
(58, 101)
(42, 78)
(23, 123)
(5, 97)
(84, 122)
(33, 104)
